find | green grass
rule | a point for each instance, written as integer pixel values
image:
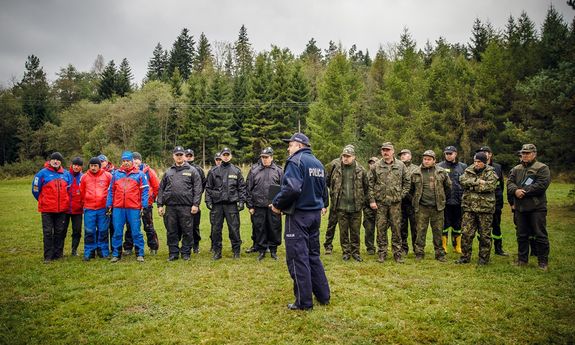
(244, 302)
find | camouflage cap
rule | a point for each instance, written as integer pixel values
(429, 153)
(373, 159)
(387, 145)
(404, 151)
(348, 150)
(526, 148)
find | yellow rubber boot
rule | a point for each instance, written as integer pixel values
(444, 243)
(458, 244)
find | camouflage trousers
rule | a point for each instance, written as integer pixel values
(369, 226)
(389, 216)
(480, 223)
(429, 216)
(349, 226)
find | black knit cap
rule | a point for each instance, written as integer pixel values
(95, 160)
(78, 161)
(58, 156)
(481, 156)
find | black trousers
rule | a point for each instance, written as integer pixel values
(532, 224)
(151, 235)
(76, 229)
(267, 228)
(179, 222)
(408, 220)
(54, 234)
(197, 236)
(230, 212)
(330, 231)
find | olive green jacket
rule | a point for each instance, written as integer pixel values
(388, 184)
(534, 179)
(442, 187)
(334, 181)
(478, 197)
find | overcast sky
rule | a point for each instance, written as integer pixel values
(62, 32)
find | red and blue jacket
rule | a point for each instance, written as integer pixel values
(94, 189)
(50, 188)
(153, 181)
(74, 190)
(128, 189)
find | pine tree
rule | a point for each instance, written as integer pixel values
(123, 85)
(299, 96)
(220, 115)
(204, 57)
(35, 94)
(182, 55)
(107, 85)
(243, 52)
(554, 37)
(332, 119)
(311, 52)
(331, 51)
(158, 64)
(481, 36)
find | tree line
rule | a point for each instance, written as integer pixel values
(507, 86)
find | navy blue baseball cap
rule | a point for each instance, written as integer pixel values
(298, 137)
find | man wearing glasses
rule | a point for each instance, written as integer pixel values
(453, 213)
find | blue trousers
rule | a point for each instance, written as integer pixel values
(302, 258)
(96, 232)
(121, 216)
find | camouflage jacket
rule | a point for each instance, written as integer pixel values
(411, 168)
(388, 184)
(533, 178)
(334, 181)
(478, 197)
(442, 187)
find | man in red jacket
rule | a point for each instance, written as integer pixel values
(74, 213)
(50, 188)
(93, 192)
(147, 218)
(127, 195)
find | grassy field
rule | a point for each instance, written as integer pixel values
(244, 301)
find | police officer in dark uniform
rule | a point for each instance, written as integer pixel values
(267, 226)
(303, 197)
(189, 154)
(225, 197)
(181, 191)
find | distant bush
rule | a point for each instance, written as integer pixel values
(19, 169)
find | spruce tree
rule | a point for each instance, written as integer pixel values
(35, 94)
(107, 85)
(243, 53)
(220, 115)
(182, 55)
(204, 57)
(158, 64)
(554, 37)
(299, 96)
(123, 85)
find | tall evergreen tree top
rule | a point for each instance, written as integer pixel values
(243, 52)
(182, 54)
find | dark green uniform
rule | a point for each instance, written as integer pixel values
(478, 206)
(332, 217)
(429, 187)
(531, 210)
(408, 216)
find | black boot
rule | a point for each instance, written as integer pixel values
(498, 245)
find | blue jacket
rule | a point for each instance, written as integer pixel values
(303, 184)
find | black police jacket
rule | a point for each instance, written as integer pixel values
(259, 180)
(201, 172)
(180, 186)
(500, 185)
(225, 184)
(455, 170)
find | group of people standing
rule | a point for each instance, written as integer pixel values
(449, 197)
(392, 193)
